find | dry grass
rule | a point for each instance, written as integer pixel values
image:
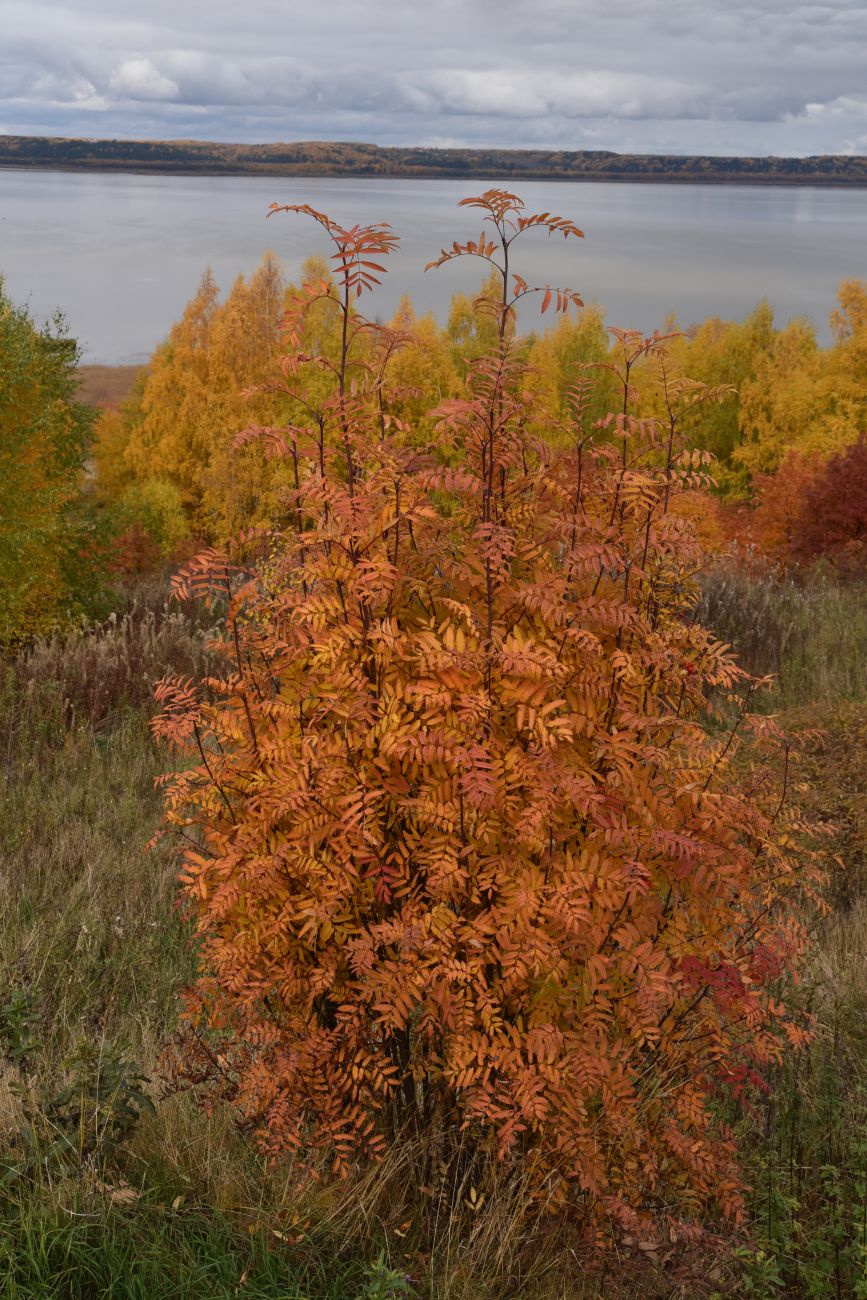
(105, 385)
(812, 635)
(508, 1247)
(95, 672)
(89, 924)
(806, 1146)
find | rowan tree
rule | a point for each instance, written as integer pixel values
(464, 860)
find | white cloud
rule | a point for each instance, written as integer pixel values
(139, 79)
(844, 107)
(520, 92)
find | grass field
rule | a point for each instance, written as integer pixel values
(105, 385)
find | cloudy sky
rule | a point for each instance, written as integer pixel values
(689, 76)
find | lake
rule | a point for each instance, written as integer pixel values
(120, 255)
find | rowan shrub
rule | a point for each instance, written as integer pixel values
(464, 848)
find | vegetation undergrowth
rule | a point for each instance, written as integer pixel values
(805, 1138)
(92, 947)
(808, 1140)
(147, 1251)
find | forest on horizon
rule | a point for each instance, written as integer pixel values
(341, 158)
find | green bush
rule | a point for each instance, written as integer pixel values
(49, 550)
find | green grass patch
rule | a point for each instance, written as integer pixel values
(149, 1252)
(90, 929)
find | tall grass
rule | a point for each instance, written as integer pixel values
(89, 926)
(98, 671)
(807, 1143)
(90, 930)
(811, 634)
(143, 1250)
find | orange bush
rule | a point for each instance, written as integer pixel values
(134, 553)
(832, 521)
(463, 857)
(771, 527)
(810, 509)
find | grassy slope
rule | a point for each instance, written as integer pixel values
(187, 1208)
(92, 937)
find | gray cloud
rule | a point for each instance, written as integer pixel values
(751, 76)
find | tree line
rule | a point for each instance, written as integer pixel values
(338, 158)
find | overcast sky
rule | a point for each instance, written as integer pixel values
(689, 76)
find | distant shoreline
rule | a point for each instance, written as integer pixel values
(348, 161)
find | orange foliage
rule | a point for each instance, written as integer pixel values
(463, 859)
(705, 516)
(811, 509)
(771, 527)
(134, 553)
(777, 517)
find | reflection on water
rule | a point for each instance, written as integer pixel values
(122, 254)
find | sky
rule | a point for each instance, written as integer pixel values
(683, 76)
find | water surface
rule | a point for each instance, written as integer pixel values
(121, 254)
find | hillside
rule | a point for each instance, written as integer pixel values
(335, 158)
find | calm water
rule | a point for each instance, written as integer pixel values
(122, 254)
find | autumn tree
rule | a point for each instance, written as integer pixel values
(472, 327)
(46, 548)
(169, 450)
(801, 414)
(556, 359)
(765, 528)
(789, 396)
(804, 398)
(724, 353)
(849, 319)
(167, 431)
(423, 372)
(831, 521)
(464, 860)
